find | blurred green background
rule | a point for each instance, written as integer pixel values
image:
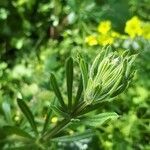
(37, 36)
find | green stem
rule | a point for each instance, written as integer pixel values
(59, 127)
(79, 108)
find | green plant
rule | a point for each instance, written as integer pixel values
(107, 77)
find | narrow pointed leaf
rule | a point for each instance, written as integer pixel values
(99, 119)
(58, 111)
(17, 131)
(84, 71)
(95, 63)
(69, 78)
(75, 137)
(120, 89)
(56, 90)
(7, 111)
(93, 107)
(107, 50)
(47, 120)
(60, 126)
(98, 89)
(79, 91)
(130, 64)
(23, 147)
(28, 114)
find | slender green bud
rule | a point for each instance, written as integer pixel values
(109, 75)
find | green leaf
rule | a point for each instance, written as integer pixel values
(130, 62)
(107, 49)
(47, 120)
(120, 89)
(115, 86)
(58, 111)
(26, 111)
(97, 91)
(84, 71)
(93, 68)
(7, 111)
(56, 90)
(23, 147)
(93, 107)
(59, 127)
(69, 78)
(75, 137)
(99, 119)
(17, 131)
(79, 91)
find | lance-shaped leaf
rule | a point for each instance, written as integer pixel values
(99, 119)
(47, 120)
(26, 111)
(75, 137)
(79, 91)
(17, 131)
(94, 66)
(58, 111)
(120, 89)
(52, 132)
(93, 107)
(7, 111)
(84, 71)
(69, 78)
(130, 64)
(107, 49)
(56, 90)
(23, 147)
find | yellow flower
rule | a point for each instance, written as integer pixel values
(133, 27)
(105, 39)
(146, 30)
(104, 27)
(91, 40)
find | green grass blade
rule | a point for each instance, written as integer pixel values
(56, 90)
(28, 114)
(69, 79)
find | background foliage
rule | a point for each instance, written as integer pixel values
(36, 37)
